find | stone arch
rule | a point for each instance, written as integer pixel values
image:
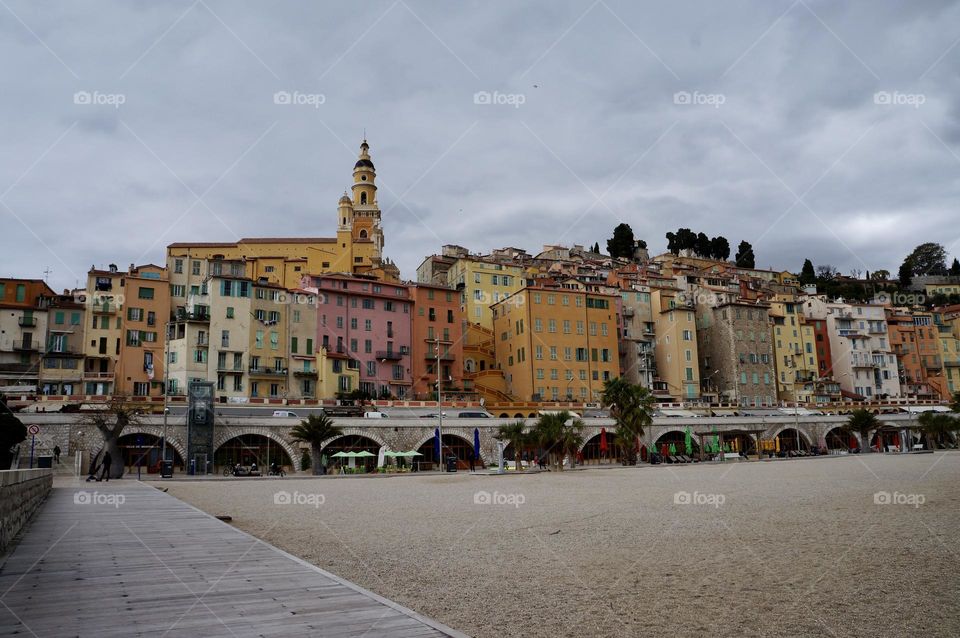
(695, 440)
(364, 432)
(843, 434)
(363, 233)
(156, 431)
(228, 433)
(791, 426)
(457, 432)
(469, 365)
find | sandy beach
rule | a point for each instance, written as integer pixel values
(803, 547)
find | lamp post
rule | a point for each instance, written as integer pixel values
(439, 403)
(166, 388)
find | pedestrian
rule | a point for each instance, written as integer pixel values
(56, 454)
(107, 461)
(471, 461)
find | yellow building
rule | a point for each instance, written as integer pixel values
(553, 344)
(269, 364)
(339, 373)
(483, 284)
(794, 350)
(675, 326)
(357, 247)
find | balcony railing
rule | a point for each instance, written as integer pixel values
(26, 346)
(389, 355)
(205, 341)
(101, 376)
(444, 356)
(268, 372)
(105, 308)
(27, 322)
(305, 373)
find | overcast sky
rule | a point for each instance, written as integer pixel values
(812, 129)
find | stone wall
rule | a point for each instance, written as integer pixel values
(21, 494)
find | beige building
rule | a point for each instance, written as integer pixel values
(62, 370)
(23, 327)
(794, 351)
(676, 352)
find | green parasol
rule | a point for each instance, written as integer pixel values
(688, 441)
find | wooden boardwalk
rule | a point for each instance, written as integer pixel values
(155, 566)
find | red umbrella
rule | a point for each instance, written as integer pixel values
(853, 441)
(603, 440)
(896, 440)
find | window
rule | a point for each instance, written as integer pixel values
(259, 339)
(195, 267)
(293, 345)
(145, 293)
(367, 325)
(274, 340)
(229, 312)
(178, 266)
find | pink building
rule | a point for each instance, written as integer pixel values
(368, 320)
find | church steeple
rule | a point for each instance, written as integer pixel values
(364, 179)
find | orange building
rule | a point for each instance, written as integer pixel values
(915, 340)
(436, 315)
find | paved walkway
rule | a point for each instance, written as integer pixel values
(124, 559)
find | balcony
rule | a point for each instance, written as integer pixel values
(98, 376)
(267, 372)
(305, 373)
(67, 350)
(935, 364)
(444, 356)
(849, 332)
(225, 369)
(105, 309)
(27, 322)
(26, 346)
(183, 315)
(389, 355)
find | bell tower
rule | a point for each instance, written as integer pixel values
(364, 180)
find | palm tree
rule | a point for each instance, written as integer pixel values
(514, 434)
(314, 430)
(935, 425)
(863, 422)
(632, 407)
(955, 402)
(556, 437)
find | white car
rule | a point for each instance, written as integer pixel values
(285, 413)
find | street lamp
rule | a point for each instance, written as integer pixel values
(166, 388)
(439, 403)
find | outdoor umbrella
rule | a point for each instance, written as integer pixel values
(409, 453)
(603, 441)
(362, 454)
(381, 455)
(777, 445)
(340, 455)
(393, 454)
(896, 440)
(664, 449)
(436, 443)
(673, 449)
(476, 443)
(853, 441)
(688, 441)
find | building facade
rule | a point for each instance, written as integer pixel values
(23, 329)
(436, 320)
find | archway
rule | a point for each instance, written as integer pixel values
(452, 444)
(590, 452)
(792, 441)
(840, 439)
(677, 439)
(138, 449)
(352, 443)
(247, 449)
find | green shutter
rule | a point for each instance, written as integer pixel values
(309, 346)
(293, 345)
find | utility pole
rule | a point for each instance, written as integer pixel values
(439, 403)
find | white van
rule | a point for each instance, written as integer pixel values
(285, 413)
(374, 415)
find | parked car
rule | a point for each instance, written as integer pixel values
(285, 413)
(473, 415)
(374, 415)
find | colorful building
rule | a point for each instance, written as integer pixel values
(370, 321)
(556, 344)
(62, 370)
(23, 329)
(436, 319)
(676, 352)
(794, 350)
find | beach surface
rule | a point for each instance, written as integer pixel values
(844, 546)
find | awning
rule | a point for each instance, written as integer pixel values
(917, 409)
(685, 413)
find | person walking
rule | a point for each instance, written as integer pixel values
(472, 461)
(107, 462)
(56, 454)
